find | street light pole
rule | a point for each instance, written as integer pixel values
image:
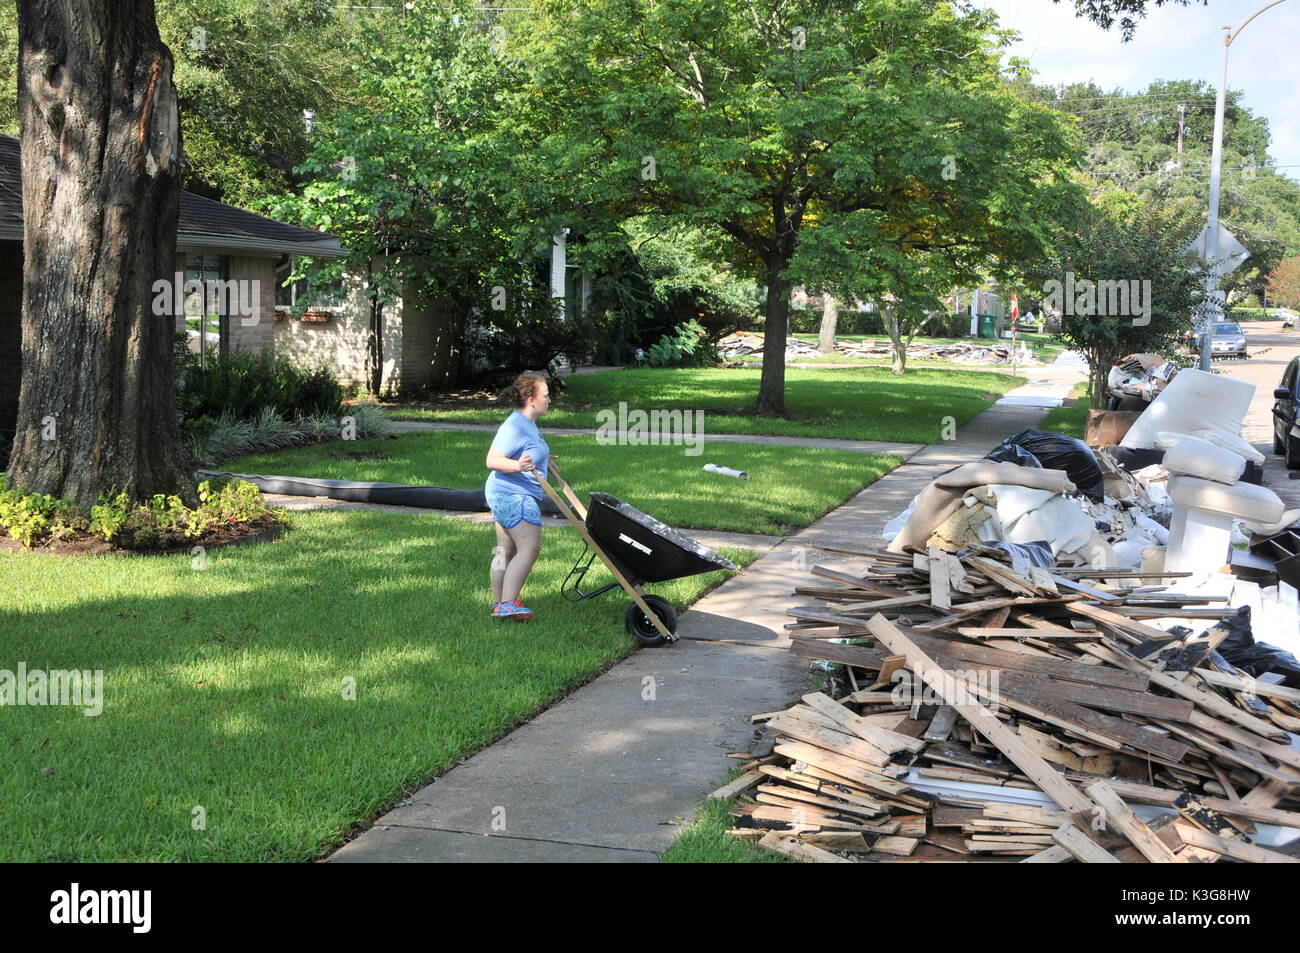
(1212, 309)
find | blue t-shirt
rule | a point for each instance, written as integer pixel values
(517, 436)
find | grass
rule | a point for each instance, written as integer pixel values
(1071, 421)
(706, 841)
(866, 403)
(223, 688)
(789, 487)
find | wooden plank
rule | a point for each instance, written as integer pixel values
(1232, 847)
(1205, 700)
(1011, 632)
(1056, 854)
(737, 786)
(1046, 665)
(940, 587)
(1081, 846)
(1127, 823)
(890, 742)
(857, 582)
(794, 848)
(1052, 783)
(941, 725)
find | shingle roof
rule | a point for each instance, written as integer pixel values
(199, 217)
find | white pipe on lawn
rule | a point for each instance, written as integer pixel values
(726, 471)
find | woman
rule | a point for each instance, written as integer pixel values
(518, 453)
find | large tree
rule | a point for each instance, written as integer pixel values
(821, 140)
(100, 140)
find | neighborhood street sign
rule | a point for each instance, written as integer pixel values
(1230, 252)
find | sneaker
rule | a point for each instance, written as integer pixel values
(495, 606)
(512, 610)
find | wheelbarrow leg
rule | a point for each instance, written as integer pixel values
(581, 527)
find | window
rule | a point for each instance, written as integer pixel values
(288, 294)
(203, 309)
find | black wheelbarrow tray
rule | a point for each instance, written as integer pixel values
(636, 548)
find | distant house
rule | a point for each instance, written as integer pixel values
(220, 243)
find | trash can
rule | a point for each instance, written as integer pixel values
(988, 325)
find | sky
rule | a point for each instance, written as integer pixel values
(1173, 42)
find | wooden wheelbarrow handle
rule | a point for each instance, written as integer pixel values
(571, 513)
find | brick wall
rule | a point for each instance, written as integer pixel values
(256, 331)
(341, 341)
(11, 306)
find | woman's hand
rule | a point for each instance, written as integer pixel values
(526, 463)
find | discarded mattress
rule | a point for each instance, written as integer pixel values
(1194, 402)
(392, 494)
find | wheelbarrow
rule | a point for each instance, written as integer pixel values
(636, 548)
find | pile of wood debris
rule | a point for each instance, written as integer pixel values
(982, 715)
(742, 346)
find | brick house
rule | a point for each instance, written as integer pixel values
(220, 243)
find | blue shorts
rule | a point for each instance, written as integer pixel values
(509, 508)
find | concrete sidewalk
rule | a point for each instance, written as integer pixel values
(613, 771)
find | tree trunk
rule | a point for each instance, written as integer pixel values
(771, 385)
(889, 318)
(101, 192)
(830, 318)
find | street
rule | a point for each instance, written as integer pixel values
(1270, 349)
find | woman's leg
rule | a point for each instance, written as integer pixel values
(501, 556)
(528, 543)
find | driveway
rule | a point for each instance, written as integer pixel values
(1270, 350)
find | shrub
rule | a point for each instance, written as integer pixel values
(160, 522)
(29, 516)
(227, 437)
(686, 346)
(242, 385)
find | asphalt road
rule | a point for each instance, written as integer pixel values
(1270, 350)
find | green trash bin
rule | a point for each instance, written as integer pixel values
(988, 325)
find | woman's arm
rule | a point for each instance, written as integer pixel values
(496, 460)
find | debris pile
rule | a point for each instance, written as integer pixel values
(979, 713)
(744, 346)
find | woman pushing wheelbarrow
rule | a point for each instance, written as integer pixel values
(635, 547)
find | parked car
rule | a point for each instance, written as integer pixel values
(1227, 339)
(1286, 433)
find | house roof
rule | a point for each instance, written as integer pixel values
(204, 224)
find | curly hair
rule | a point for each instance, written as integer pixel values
(524, 387)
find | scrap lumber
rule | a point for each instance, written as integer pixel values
(1053, 683)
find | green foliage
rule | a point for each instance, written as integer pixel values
(230, 436)
(161, 522)
(685, 347)
(1125, 238)
(242, 384)
(810, 142)
(30, 516)
(1133, 142)
(1284, 283)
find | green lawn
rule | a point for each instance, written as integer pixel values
(223, 688)
(867, 403)
(1071, 421)
(788, 487)
(706, 841)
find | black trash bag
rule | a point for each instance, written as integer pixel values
(1055, 451)
(1014, 453)
(1256, 658)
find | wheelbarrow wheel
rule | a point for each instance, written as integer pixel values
(642, 629)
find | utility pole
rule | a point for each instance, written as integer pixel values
(1182, 115)
(1211, 311)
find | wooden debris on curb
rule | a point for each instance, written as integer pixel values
(1095, 735)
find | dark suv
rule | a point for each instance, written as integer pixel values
(1286, 436)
